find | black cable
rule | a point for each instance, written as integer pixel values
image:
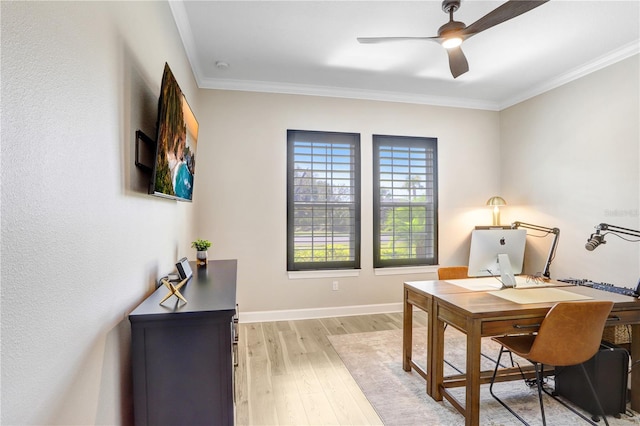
(536, 279)
(495, 276)
(619, 236)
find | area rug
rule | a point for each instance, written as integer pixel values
(374, 360)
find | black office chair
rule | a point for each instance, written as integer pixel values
(570, 334)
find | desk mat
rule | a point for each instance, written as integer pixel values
(538, 295)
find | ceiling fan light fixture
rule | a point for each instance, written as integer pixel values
(453, 33)
(451, 42)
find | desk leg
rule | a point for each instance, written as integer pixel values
(635, 372)
(437, 353)
(407, 332)
(431, 332)
(472, 403)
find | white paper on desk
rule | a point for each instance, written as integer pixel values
(538, 295)
(478, 284)
(493, 283)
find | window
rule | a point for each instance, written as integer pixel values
(323, 200)
(405, 201)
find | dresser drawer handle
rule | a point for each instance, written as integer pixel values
(518, 326)
(235, 354)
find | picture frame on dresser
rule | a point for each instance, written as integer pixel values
(184, 269)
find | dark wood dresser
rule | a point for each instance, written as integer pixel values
(183, 354)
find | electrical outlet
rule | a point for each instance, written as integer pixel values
(335, 286)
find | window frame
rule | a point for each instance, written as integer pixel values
(430, 145)
(355, 205)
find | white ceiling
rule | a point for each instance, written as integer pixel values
(310, 47)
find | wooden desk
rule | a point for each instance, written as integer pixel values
(481, 314)
(421, 294)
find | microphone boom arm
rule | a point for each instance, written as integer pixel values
(618, 229)
(596, 238)
(554, 243)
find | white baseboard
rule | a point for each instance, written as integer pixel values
(300, 314)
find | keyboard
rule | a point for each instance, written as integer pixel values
(602, 286)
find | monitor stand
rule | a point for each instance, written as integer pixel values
(506, 273)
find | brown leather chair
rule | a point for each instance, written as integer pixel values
(452, 272)
(570, 334)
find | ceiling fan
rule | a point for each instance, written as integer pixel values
(453, 33)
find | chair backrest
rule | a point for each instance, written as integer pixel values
(453, 272)
(571, 333)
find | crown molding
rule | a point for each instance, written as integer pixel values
(343, 92)
(186, 35)
(603, 61)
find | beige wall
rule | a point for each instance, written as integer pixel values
(571, 160)
(82, 244)
(241, 198)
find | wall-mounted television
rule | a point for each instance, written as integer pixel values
(174, 166)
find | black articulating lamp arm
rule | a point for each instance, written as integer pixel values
(596, 238)
(554, 243)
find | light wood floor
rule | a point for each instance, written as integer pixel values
(289, 374)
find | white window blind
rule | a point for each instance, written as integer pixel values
(323, 200)
(405, 201)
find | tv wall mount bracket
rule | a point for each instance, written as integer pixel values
(150, 143)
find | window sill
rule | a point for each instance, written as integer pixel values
(334, 273)
(404, 270)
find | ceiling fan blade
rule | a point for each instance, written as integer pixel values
(370, 40)
(502, 13)
(457, 61)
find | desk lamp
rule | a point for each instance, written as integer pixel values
(496, 202)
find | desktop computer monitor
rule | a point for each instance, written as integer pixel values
(488, 244)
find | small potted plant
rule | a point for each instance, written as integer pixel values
(201, 246)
